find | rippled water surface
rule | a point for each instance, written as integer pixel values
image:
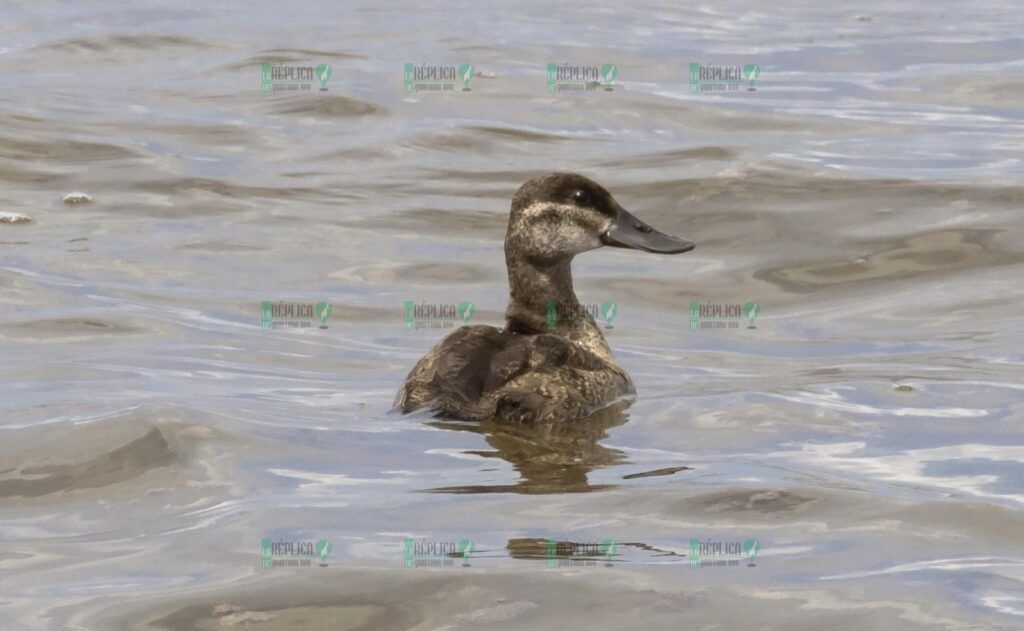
(867, 433)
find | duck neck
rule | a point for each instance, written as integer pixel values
(540, 291)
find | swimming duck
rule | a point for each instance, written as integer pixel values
(538, 368)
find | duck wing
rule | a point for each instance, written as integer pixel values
(562, 381)
(479, 372)
(455, 375)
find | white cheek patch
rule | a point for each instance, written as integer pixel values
(575, 239)
(561, 227)
(566, 214)
(538, 209)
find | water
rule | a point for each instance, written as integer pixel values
(867, 433)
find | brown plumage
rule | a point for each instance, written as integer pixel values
(525, 372)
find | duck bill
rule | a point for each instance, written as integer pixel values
(630, 232)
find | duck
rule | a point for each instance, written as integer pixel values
(538, 368)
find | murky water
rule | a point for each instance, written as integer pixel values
(868, 434)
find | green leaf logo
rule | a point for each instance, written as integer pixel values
(324, 72)
(750, 311)
(323, 548)
(466, 548)
(466, 74)
(466, 310)
(552, 317)
(751, 72)
(608, 549)
(608, 311)
(608, 73)
(323, 311)
(750, 548)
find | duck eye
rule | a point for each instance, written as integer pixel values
(581, 197)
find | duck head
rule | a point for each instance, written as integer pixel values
(555, 217)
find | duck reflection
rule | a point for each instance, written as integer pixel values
(550, 457)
